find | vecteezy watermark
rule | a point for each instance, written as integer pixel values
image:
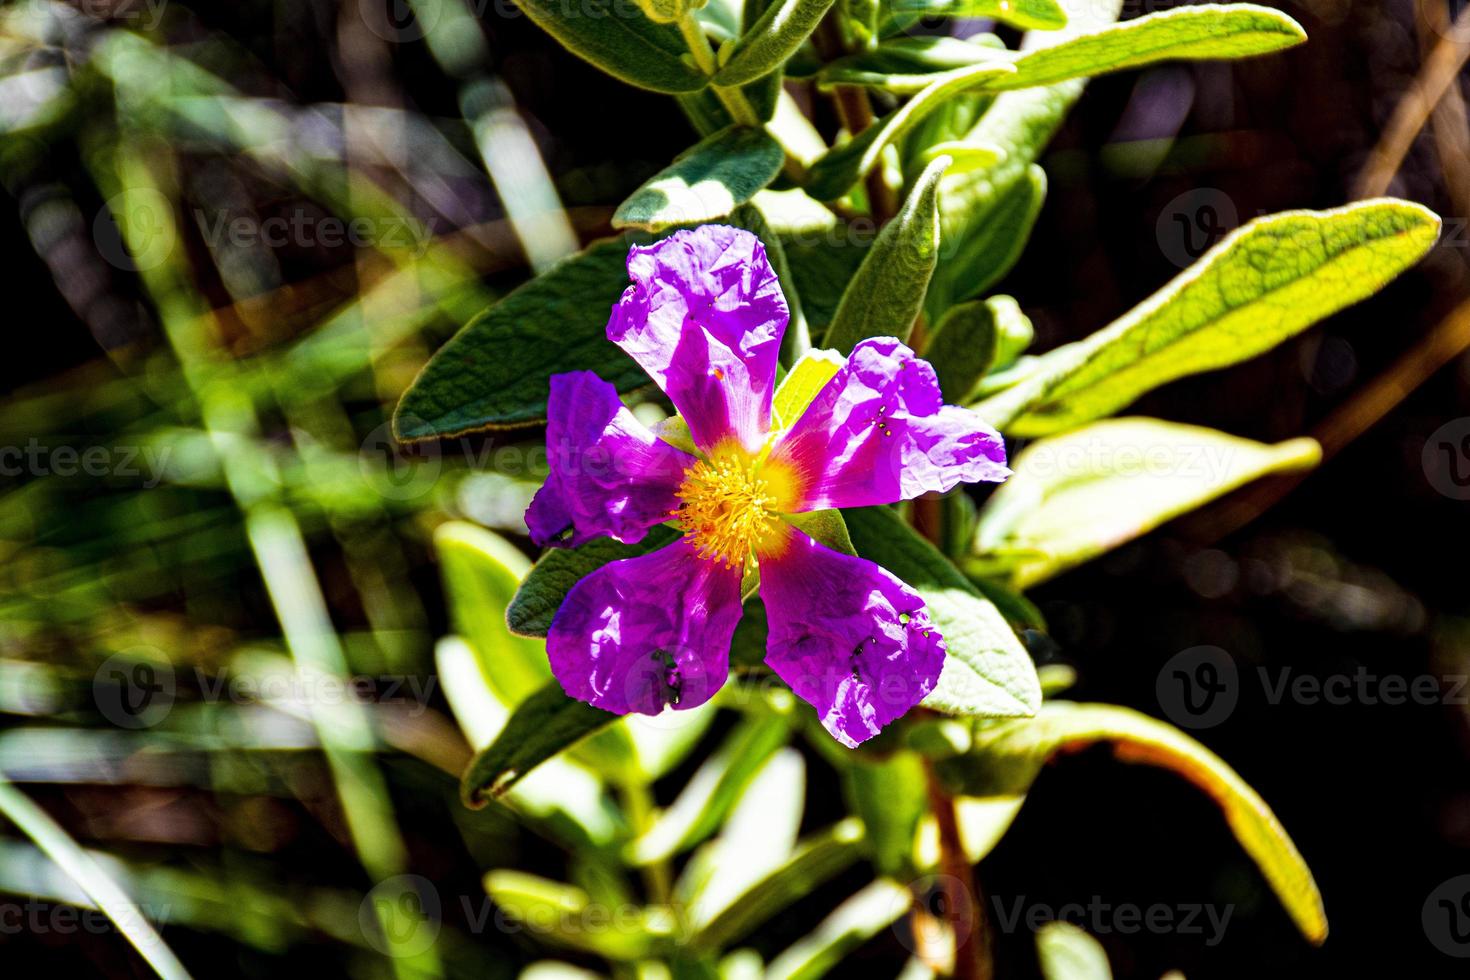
(1201, 686)
(1084, 457)
(55, 918)
(1193, 223)
(135, 230)
(403, 916)
(307, 229)
(145, 15)
(403, 21)
(1446, 459)
(1446, 917)
(36, 459)
(138, 689)
(1198, 687)
(1102, 918)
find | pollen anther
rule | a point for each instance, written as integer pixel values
(728, 509)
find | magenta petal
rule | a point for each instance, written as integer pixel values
(704, 317)
(609, 474)
(644, 632)
(848, 637)
(879, 432)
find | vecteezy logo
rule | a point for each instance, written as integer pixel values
(1446, 917)
(942, 915)
(401, 915)
(1193, 223)
(134, 691)
(399, 21)
(395, 474)
(1446, 459)
(134, 231)
(1198, 687)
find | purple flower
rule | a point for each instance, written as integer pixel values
(704, 317)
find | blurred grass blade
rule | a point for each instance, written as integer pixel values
(814, 863)
(711, 792)
(564, 915)
(854, 922)
(36, 824)
(757, 838)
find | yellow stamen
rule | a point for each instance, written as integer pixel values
(729, 506)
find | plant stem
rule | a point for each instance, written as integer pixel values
(855, 112)
(639, 806)
(973, 957)
(731, 97)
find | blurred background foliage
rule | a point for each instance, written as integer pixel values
(249, 521)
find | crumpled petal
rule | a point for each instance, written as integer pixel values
(848, 637)
(704, 317)
(609, 474)
(645, 632)
(879, 432)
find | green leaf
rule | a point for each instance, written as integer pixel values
(1039, 15)
(814, 863)
(566, 916)
(841, 167)
(496, 372)
(1068, 953)
(906, 64)
(801, 384)
(711, 791)
(1199, 32)
(482, 572)
(850, 925)
(1267, 281)
(553, 576)
(1008, 755)
(634, 49)
(771, 40)
(887, 293)
(891, 796)
(822, 269)
(1015, 332)
(704, 183)
(1018, 125)
(983, 258)
(564, 800)
(1075, 496)
(986, 670)
(962, 349)
(758, 838)
(541, 726)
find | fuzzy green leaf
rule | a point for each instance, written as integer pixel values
(496, 372)
(634, 49)
(706, 182)
(887, 293)
(553, 576)
(1264, 283)
(986, 670)
(771, 40)
(1075, 496)
(1039, 15)
(543, 725)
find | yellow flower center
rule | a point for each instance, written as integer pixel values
(729, 506)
